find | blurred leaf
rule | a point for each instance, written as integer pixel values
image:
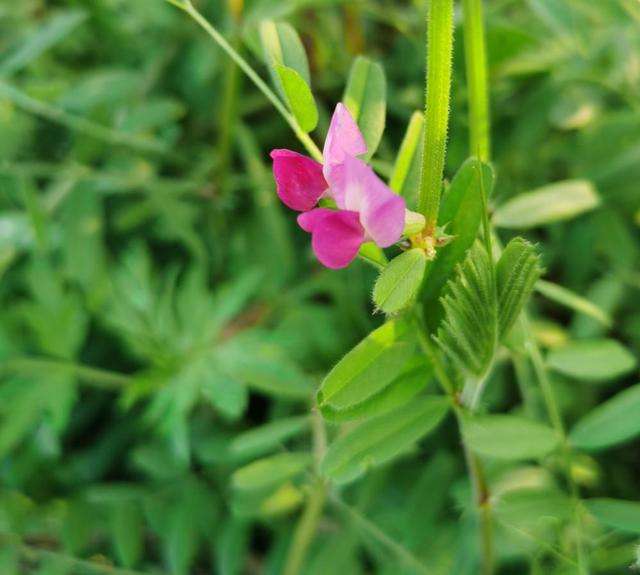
(268, 473)
(127, 528)
(251, 359)
(398, 283)
(299, 97)
(516, 274)
(406, 170)
(567, 298)
(616, 513)
(546, 205)
(366, 98)
(378, 440)
(368, 368)
(267, 437)
(614, 421)
(47, 35)
(228, 396)
(510, 437)
(526, 507)
(231, 547)
(592, 360)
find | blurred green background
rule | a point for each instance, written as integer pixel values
(157, 301)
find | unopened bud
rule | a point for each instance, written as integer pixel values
(413, 223)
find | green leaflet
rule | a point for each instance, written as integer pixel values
(523, 507)
(269, 472)
(548, 204)
(592, 360)
(405, 179)
(460, 214)
(516, 274)
(616, 513)
(401, 390)
(398, 283)
(366, 98)
(47, 35)
(380, 439)
(127, 528)
(282, 46)
(567, 298)
(611, 423)
(299, 97)
(250, 359)
(469, 332)
(509, 437)
(262, 439)
(369, 367)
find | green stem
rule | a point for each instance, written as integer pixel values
(304, 138)
(476, 66)
(438, 86)
(555, 417)
(308, 524)
(229, 115)
(374, 532)
(474, 465)
(93, 376)
(82, 125)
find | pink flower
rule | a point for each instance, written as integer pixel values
(367, 209)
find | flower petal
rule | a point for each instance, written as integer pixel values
(343, 139)
(336, 235)
(299, 179)
(382, 212)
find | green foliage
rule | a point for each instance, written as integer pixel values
(516, 274)
(609, 424)
(282, 47)
(380, 439)
(398, 284)
(366, 98)
(299, 97)
(592, 360)
(527, 439)
(368, 368)
(469, 332)
(546, 205)
(405, 177)
(616, 514)
(572, 300)
(163, 326)
(460, 217)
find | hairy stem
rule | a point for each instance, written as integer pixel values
(476, 67)
(304, 138)
(438, 87)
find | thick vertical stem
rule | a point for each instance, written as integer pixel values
(438, 87)
(476, 66)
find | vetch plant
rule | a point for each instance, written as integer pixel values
(454, 298)
(338, 355)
